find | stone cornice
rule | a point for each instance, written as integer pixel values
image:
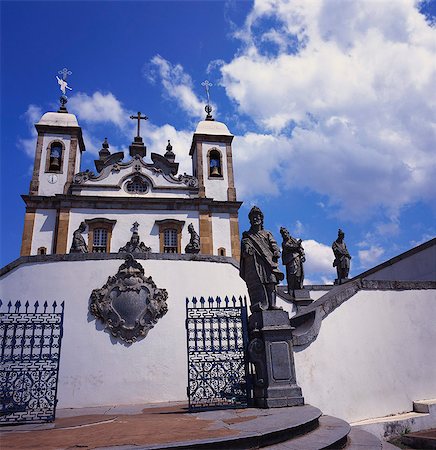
(226, 139)
(129, 203)
(53, 129)
(36, 259)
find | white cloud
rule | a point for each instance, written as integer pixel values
(371, 256)
(356, 79)
(176, 83)
(100, 108)
(28, 145)
(319, 258)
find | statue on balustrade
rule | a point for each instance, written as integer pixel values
(293, 258)
(194, 242)
(259, 263)
(79, 245)
(342, 258)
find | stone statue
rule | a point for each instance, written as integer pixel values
(79, 245)
(134, 245)
(342, 257)
(259, 263)
(194, 242)
(293, 258)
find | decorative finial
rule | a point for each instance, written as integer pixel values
(63, 85)
(104, 152)
(207, 84)
(169, 154)
(135, 227)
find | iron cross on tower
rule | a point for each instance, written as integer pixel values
(139, 118)
(207, 84)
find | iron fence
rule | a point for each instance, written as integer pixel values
(217, 339)
(30, 351)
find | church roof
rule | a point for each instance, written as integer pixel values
(58, 119)
(212, 127)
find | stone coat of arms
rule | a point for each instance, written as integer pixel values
(129, 304)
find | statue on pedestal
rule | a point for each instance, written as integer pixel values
(342, 258)
(259, 263)
(293, 258)
(134, 245)
(194, 242)
(79, 245)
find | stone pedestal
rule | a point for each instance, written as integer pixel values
(341, 280)
(270, 350)
(137, 147)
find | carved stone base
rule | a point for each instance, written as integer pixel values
(270, 350)
(341, 280)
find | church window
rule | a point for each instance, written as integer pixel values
(170, 240)
(42, 251)
(170, 235)
(215, 163)
(100, 234)
(99, 244)
(136, 186)
(222, 251)
(55, 153)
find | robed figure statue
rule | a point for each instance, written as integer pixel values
(342, 257)
(79, 245)
(259, 263)
(293, 258)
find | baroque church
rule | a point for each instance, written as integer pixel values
(119, 193)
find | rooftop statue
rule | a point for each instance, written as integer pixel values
(79, 245)
(342, 258)
(194, 242)
(134, 245)
(259, 263)
(293, 258)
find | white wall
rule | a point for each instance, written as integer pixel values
(95, 369)
(420, 266)
(373, 356)
(221, 233)
(148, 231)
(43, 230)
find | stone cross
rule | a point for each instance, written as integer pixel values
(139, 117)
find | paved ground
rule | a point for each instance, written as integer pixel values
(148, 425)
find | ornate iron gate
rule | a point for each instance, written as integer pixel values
(217, 338)
(30, 351)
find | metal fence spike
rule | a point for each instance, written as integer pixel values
(36, 305)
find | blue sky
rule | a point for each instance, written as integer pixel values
(332, 104)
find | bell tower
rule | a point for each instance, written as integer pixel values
(58, 148)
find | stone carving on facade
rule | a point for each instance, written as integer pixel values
(259, 263)
(134, 245)
(194, 242)
(83, 177)
(189, 180)
(293, 258)
(79, 245)
(129, 304)
(342, 258)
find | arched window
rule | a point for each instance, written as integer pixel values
(99, 234)
(222, 251)
(41, 251)
(170, 235)
(54, 157)
(215, 163)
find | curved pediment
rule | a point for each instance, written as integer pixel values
(135, 177)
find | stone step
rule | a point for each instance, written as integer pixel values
(331, 433)
(425, 406)
(362, 440)
(420, 440)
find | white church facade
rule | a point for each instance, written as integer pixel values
(119, 193)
